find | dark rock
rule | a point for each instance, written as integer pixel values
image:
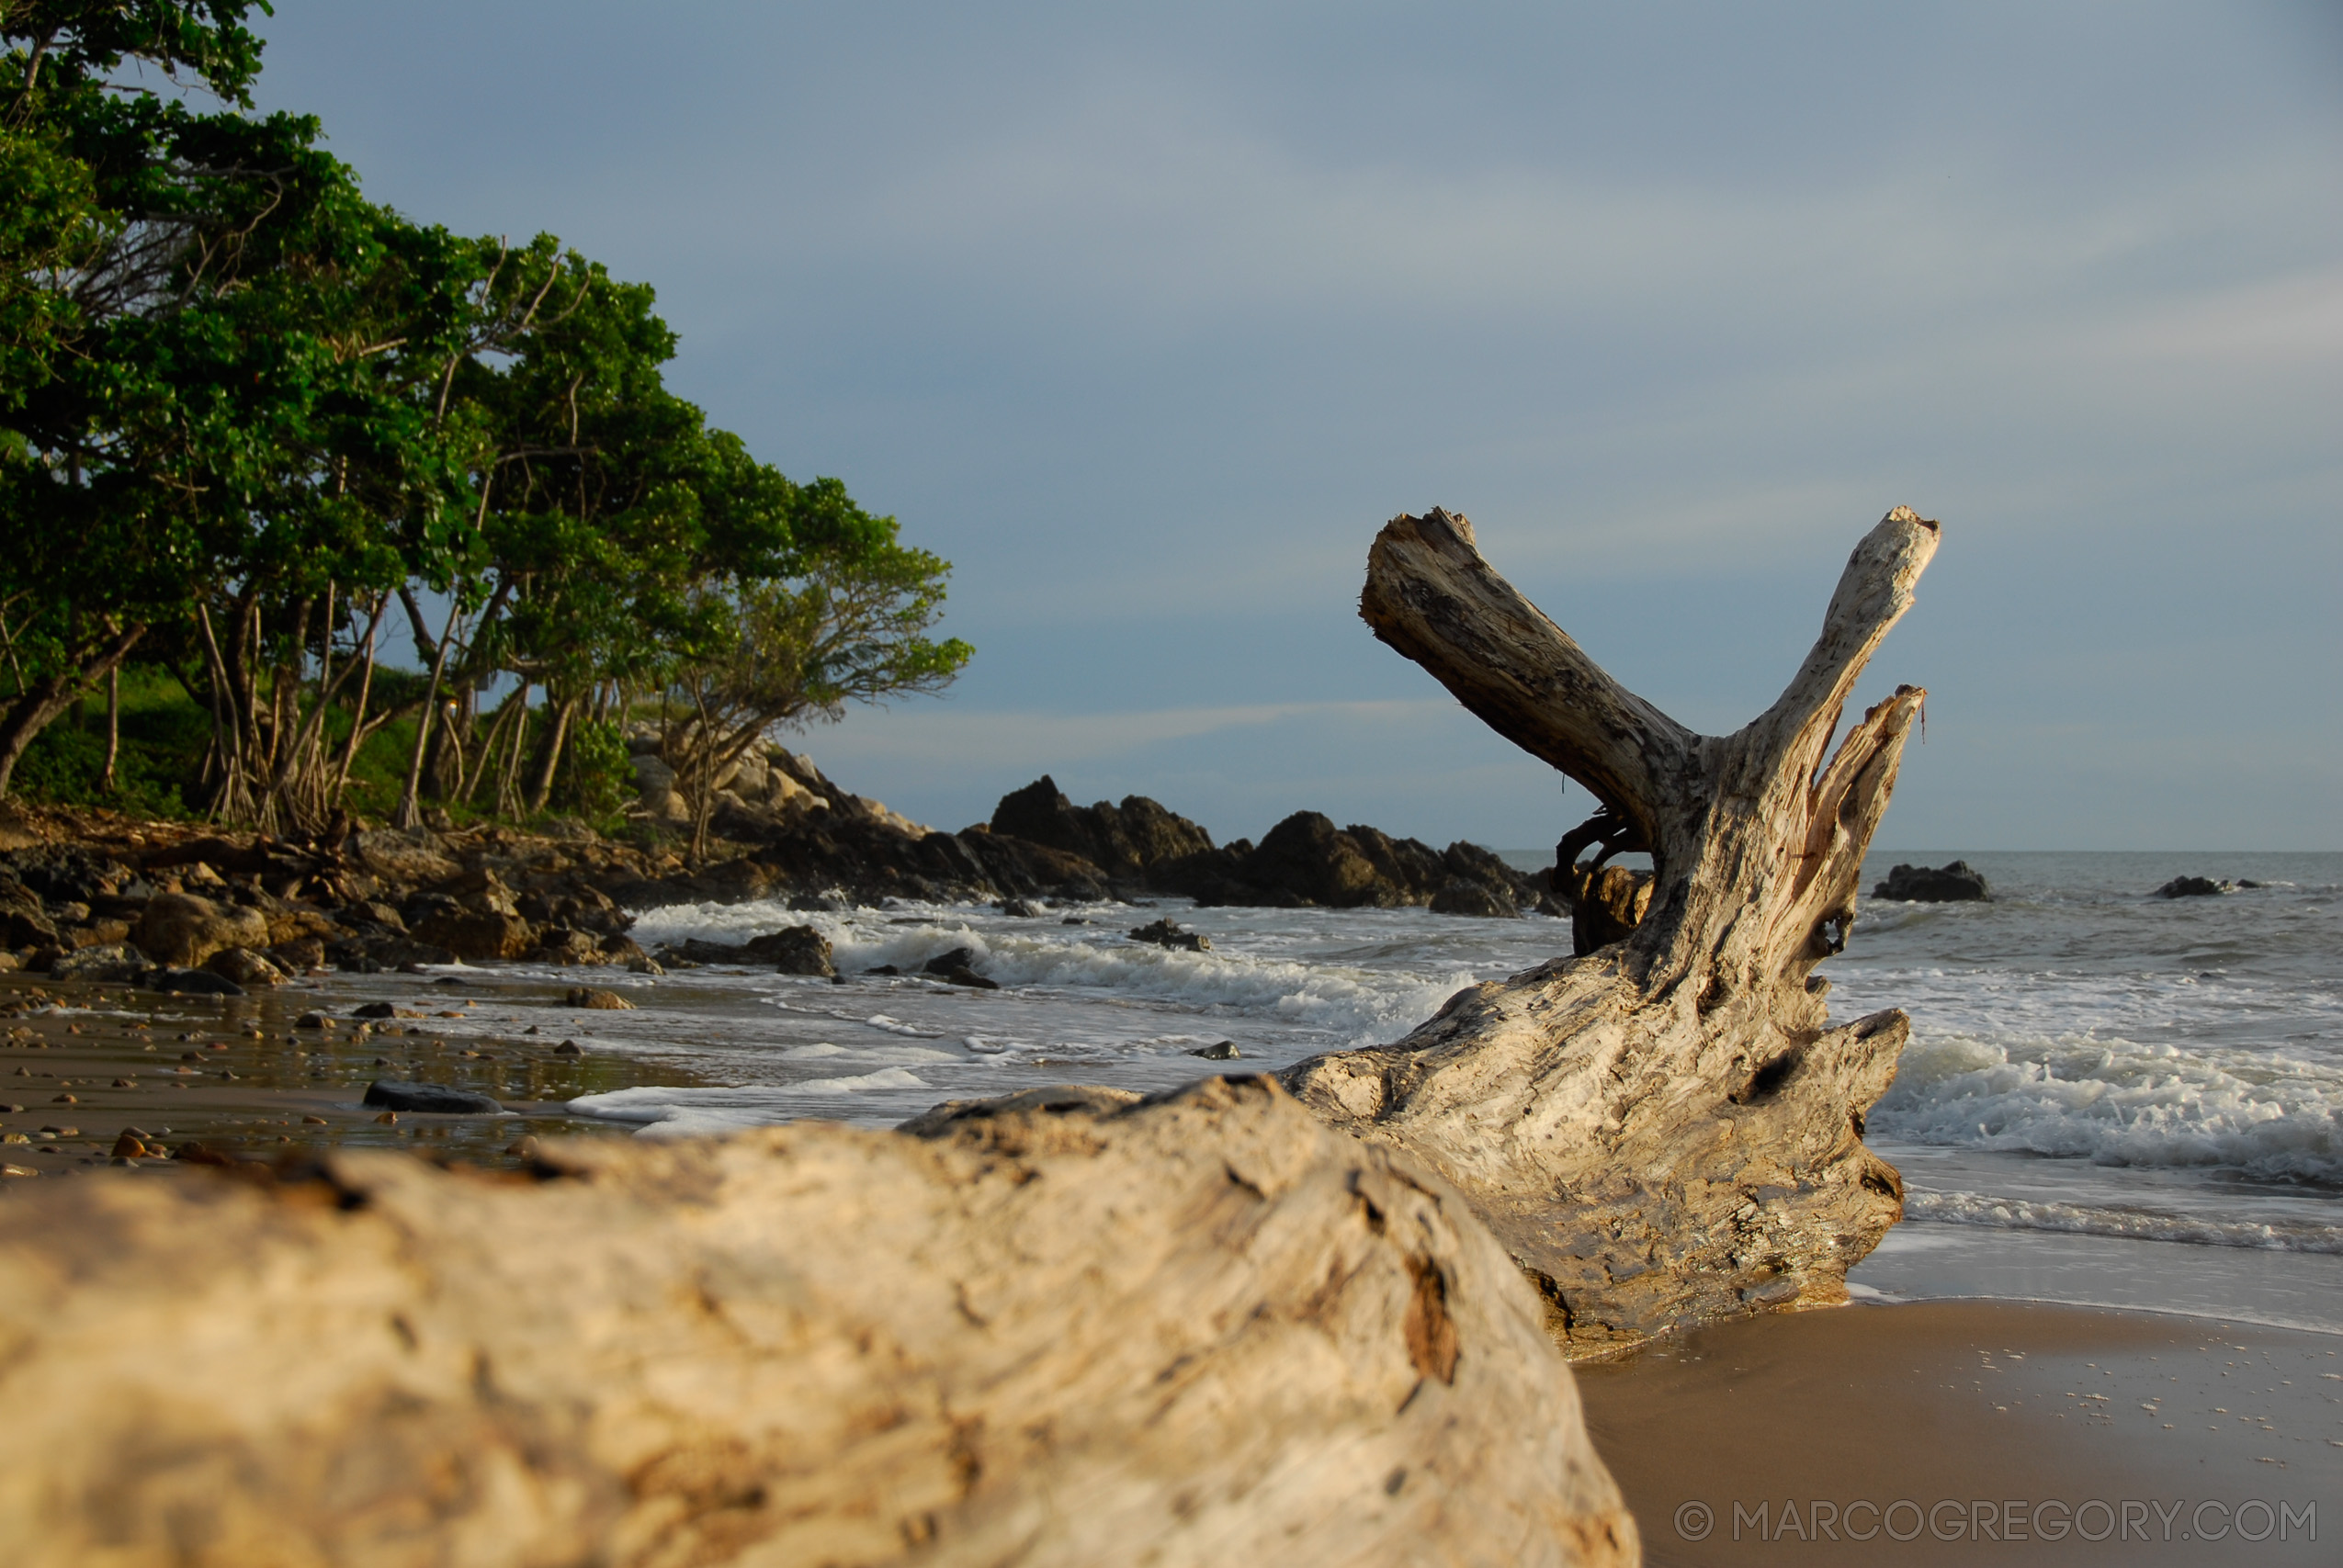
(1163, 933)
(183, 930)
(619, 948)
(21, 927)
(944, 962)
(1506, 889)
(605, 1001)
(66, 874)
(1953, 884)
(108, 961)
(795, 950)
(370, 912)
(882, 969)
(569, 1048)
(1226, 1051)
(421, 907)
(245, 966)
(1019, 909)
(301, 955)
(370, 956)
(695, 951)
(1308, 857)
(1305, 860)
(477, 935)
(563, 945)
(1120, 840)
(429, 1097)
(190, 983)
(2192, 888)
(410, 858)
(1459, 896)
(964, 975)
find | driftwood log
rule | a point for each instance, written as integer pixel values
(1204, 1328)
(1200, 1331)
(1665, 1127)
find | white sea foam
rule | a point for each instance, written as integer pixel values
(1353, 1002)
(2138, 1225)
(662, 1112)
(2260, 1112)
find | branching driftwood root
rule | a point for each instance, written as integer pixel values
(1201, 1330)
(1666, 1128)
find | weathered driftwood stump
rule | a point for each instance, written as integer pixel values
(1203, 1330)
(1666, 1128)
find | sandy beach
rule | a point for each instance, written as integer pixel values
(1926, 1431)
(1978, 1432)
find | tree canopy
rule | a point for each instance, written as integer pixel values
(249, 420)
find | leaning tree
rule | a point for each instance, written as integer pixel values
(1667, 1128)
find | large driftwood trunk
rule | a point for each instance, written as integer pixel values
(1667, 1128)
(1205, 1330)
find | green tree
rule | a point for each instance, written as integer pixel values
(841, 615)
(245, 413)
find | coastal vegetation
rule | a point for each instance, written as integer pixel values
(253, 426)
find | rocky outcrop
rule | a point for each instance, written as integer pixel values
(246, 967)
(182, 930)
(1039, 845)
(1124, 842)
(793, 950)
(364, 900)
(1203, 1330)
(2192, 887)
(475, 934)
(1164, 933)
(1305, 860)
(101, 961)
(1954, 882)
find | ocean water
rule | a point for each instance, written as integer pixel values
(2110, 1097)
(2107, 1097)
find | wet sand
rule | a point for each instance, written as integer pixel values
(1997, 1423)
(81, 1063)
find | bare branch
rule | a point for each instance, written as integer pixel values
(1872, 594)
(1430, 595)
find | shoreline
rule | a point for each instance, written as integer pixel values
(1866, 1402)
(238, 1077)
(2010, 1421)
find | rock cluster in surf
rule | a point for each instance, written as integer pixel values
(190, 910)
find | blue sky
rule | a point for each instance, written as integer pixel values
(1148, 316)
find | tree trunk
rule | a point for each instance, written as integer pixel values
(410, 810)
(113, 727)
(541, 792)
(43, 700)
(1667, 1129)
